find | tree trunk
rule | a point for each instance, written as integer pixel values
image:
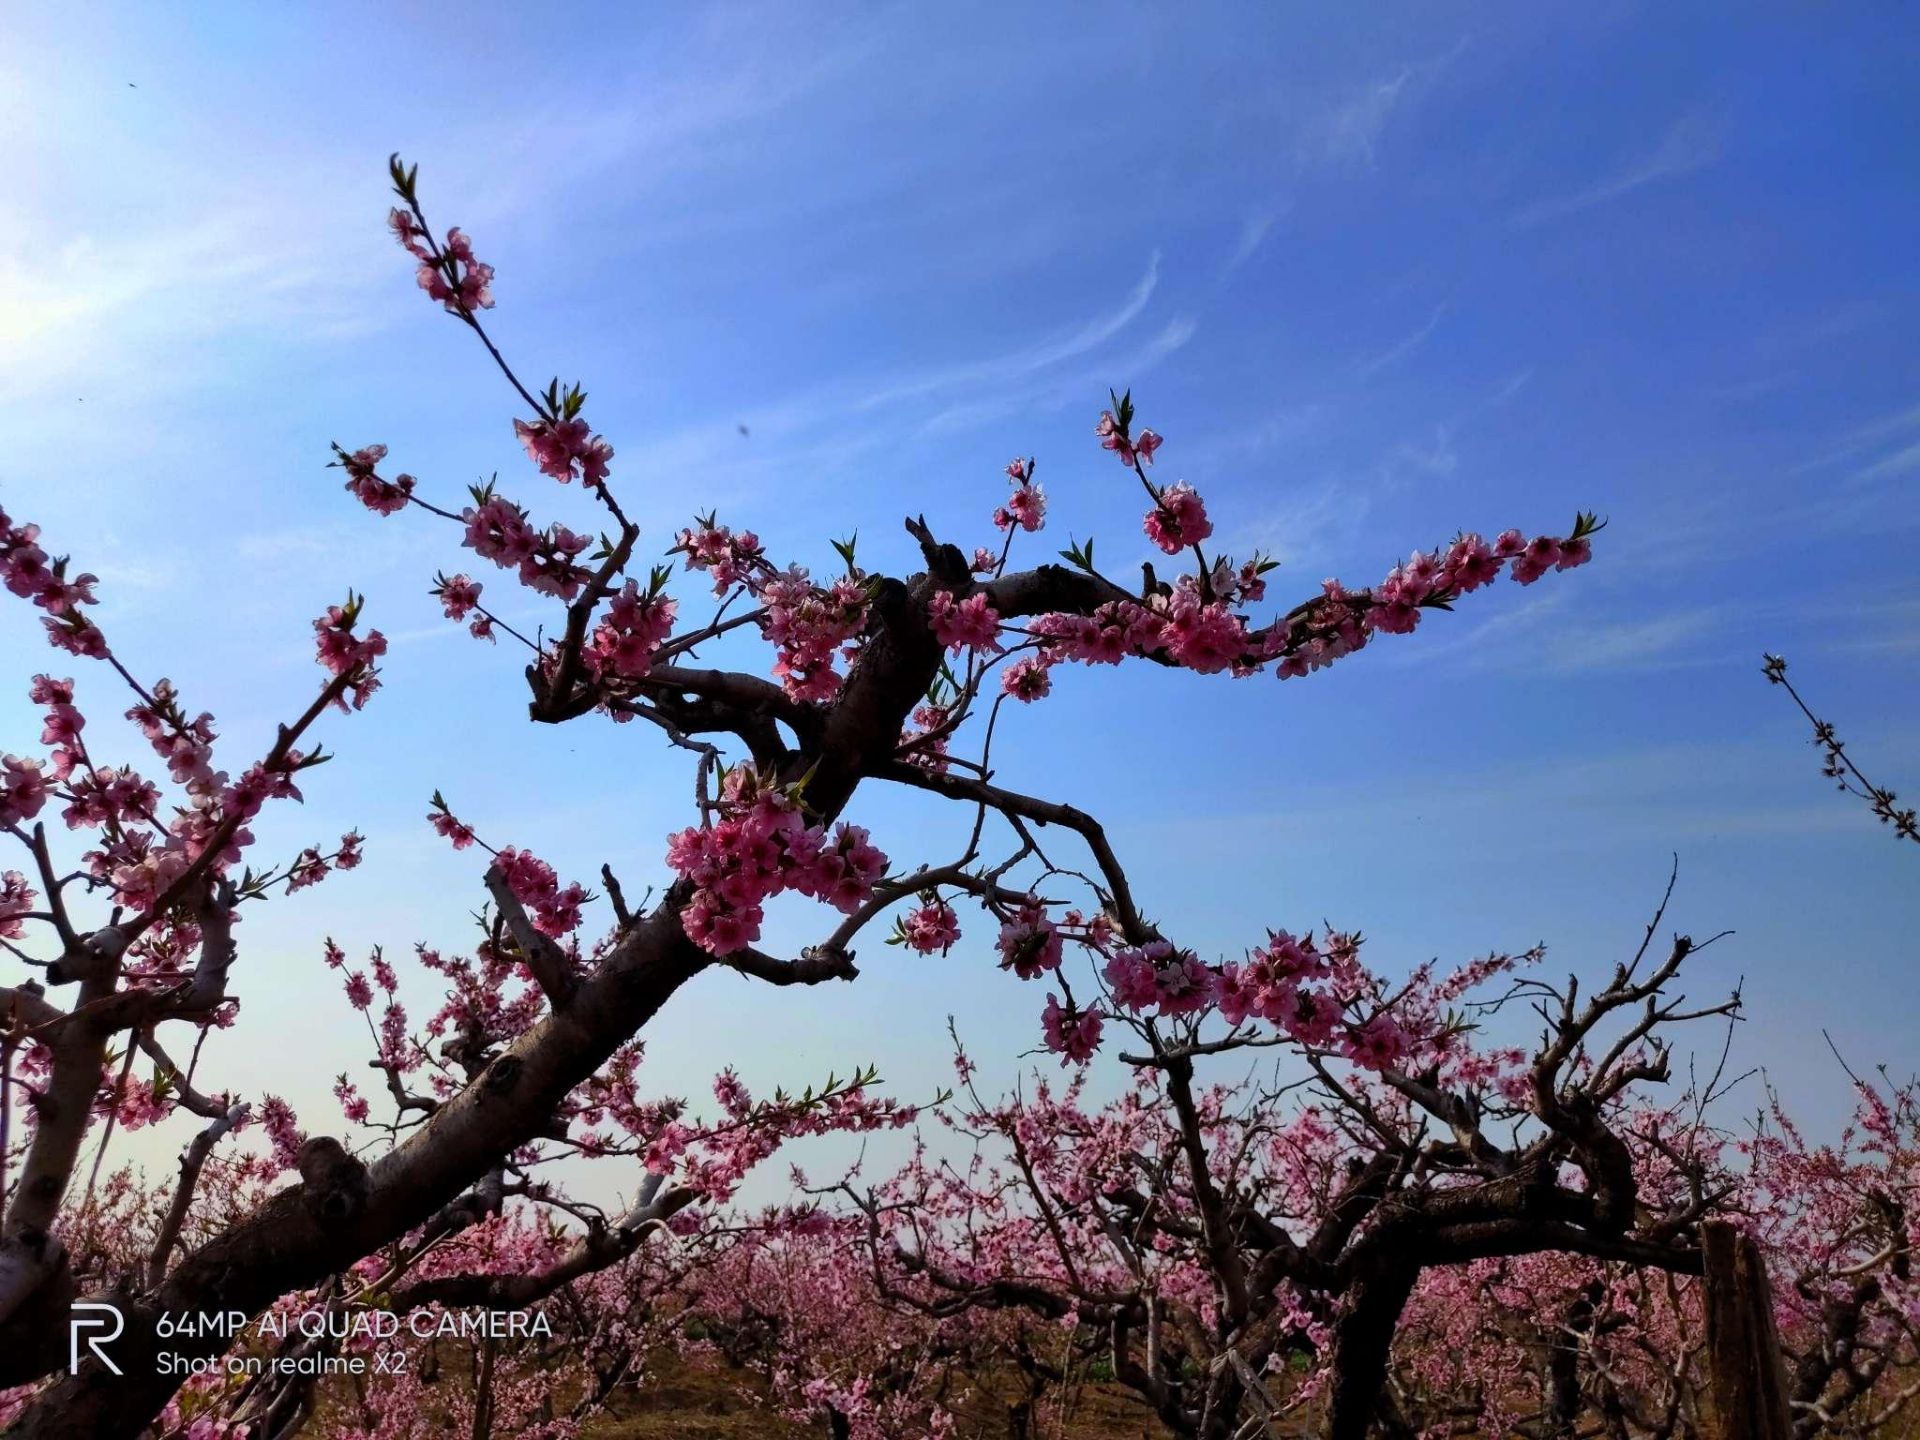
(1743, 1348)
(1362, 1340)
(1562, 1364)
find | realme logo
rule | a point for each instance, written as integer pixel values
(99, 1323)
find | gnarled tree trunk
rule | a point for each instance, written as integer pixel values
(1743, 1348)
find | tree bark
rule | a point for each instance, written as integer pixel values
(1362, 1341)
(1743, 1348)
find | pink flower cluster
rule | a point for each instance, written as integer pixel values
(452, 276)
(310, 867)
(383, 497)
(1029, 942)
(353, 1104)
(456, 832)
(1109, 634)
(730, 558)
(924, 743)
(563, 449)
(498, 530)
(930, 927)
(1178, 518)
(283, 1130)
(1203, 635)
(1130, 450)
(1070, 1032)
(556, 908)
(969, 624)
(634, 627)
(26, 570)
(140, 856)
(23, 789)
(16, 901)
(341, 652)
(1027, 679)
(1305, 989)
(459, 597)
(713, 1160)
(808, 626)
(132, 1102)
(185, 745)
(106, 796)
(762, 846)
(1342, 621)
(1156, 977)
(1027, 506)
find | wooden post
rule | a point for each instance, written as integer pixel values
(1743, 1348)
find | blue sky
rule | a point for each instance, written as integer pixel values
(1378, 273)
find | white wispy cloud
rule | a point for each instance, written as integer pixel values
(1862, 438)
(1071, 385)
(1253, 234)
(1900, 462)
(275, 240)
(834, 425)
(1021, 364)
(1433, 457)
(1543, 635)
(1304, 524)
(1349, 131)
(1691, 143)
(1399, 351)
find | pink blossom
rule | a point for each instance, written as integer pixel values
(497, 530)
(458, 596)
(1113, 438)
(307, 869)
(455, 278)
(1206, 637)
(759, 847)
(1027, 679)
(341, 652)
(808, 625)
(353, 1104)
(1541, 555)
(968, 624)
(383, 497)
(16, 900)
(1071, 1033)
(283, 1130)
(728, 557)
(1029, 943)
(448, 827)
(930, 927)
(1178, 519)
(565, 448)
(76, 635)
(1470, 564)
(635, 626)
(1026, 507)
(1377, 1045)
(23, 789)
